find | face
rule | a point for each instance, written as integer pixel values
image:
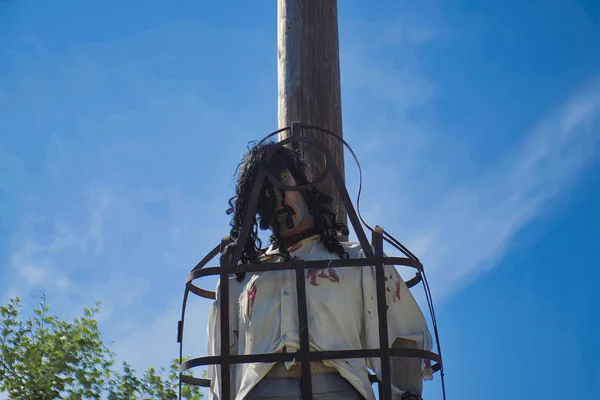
(294, 205)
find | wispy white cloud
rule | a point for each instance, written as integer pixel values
(123, 214)
(458, 227)
(125, 257)
(154, 342)
(469, 229)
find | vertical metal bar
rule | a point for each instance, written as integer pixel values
(306, 381)
(180, 335)
(345, 197)
(384, 346)
(224, 303)
(295, 129)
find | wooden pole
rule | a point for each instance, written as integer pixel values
(309, 81)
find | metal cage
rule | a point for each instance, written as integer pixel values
(374, 256)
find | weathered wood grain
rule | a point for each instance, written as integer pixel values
(309, 80)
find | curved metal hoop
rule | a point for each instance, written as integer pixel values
(201, 272)
(316, 181)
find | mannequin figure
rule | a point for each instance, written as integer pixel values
(341, 302)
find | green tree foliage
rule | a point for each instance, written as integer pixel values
(44, 357)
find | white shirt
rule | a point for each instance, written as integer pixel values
(342, 315)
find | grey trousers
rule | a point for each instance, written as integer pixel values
(325, 387)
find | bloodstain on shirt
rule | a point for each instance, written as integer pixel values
(251, 298)
(330, 274)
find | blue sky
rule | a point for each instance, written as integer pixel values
(476, 123)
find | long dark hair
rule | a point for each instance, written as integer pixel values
(325, 220)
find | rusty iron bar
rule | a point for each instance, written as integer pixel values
(314, 356)
(305, 378)
(224, 303)
(382, 307)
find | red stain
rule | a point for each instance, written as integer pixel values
(321, 273)
(251, 297)
(312, 274)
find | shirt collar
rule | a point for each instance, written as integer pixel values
(295, 248)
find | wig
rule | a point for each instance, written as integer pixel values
(325, 221)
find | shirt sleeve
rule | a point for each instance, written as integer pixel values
(214, 338)
(405, 321)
